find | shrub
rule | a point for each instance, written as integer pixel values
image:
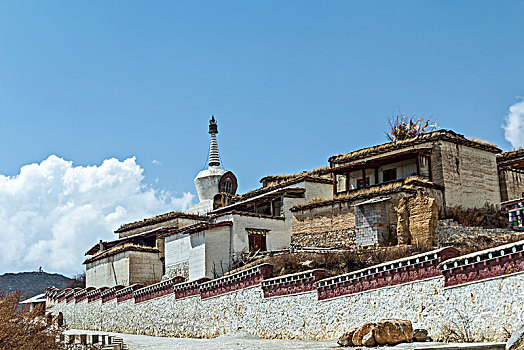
(20, 329)
(488, 216)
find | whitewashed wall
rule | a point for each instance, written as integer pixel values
(124, 268)
(487, 307)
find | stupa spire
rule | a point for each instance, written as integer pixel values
(214, 157)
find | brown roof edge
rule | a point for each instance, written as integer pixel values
(444, 135)
(510, 155)
(367, 195)
(196, 228)
(293, 181)
(246, 213)
(127, 239)
(118, 249)
(284, 177)
(161, 218)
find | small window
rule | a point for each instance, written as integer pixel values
(277, 205)
(228, 186)
(341, 183)
(257, 242)
(389, 175)
(360, 183)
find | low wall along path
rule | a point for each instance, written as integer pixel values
(481, 292)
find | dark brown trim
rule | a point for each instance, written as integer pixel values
(294, 181)
(349, 198)
(196, 228)
(161, 218)
(247, 213)
(120, 249)
(377, 162)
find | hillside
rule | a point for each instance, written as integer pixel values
(31, 283)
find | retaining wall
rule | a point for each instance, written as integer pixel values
(428, 289)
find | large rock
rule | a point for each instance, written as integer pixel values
(346, 339)
(391, 332)
(360, 332)
(516, 341)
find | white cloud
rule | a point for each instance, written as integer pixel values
(52, 212)
(514, 125)
(157, 162)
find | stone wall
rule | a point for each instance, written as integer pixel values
(449, 230)
(412, 288)
(469, 175)
(511, 184)
(329, 239)
(371, 224)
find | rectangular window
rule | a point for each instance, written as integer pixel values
(257, 242)
(389, 175)
(424, 167)
(277, 205)
(341, 183)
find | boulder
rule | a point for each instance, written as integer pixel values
(516, 341)
(391, 332)
(346, 339)
(420, 335)
(360, 332)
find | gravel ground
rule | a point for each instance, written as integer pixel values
(246, 341)
(238, 341)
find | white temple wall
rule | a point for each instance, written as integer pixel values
(488, 307)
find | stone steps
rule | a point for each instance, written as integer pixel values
(91, 341)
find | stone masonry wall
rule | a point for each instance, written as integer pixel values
(329, 239)
(488, 306)
(511, 184)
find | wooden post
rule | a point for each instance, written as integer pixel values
(334, 184)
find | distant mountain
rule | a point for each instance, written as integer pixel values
(31, 283)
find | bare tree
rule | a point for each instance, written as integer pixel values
(78, 281)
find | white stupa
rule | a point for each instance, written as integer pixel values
(213, 180)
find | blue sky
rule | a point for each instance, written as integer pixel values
(290, 83)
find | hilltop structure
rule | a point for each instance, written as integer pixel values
(383, 195)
